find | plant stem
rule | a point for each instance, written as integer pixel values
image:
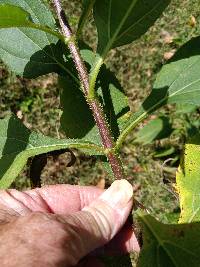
(69, 39)
(107, 139)
(94, 104)
(93, 77)
(131, 125)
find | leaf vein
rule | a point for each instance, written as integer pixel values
(138, 21)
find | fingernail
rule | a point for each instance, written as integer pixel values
(118, 194)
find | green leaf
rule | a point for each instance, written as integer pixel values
(77, 120)
(13, 16)
(193, 128)
(169, 245)
(111, 94)
(173, 217)
(154, 130)
(17, 144)
(113, 99)
(164, 152)
(188, 181)
(106, 165)
(177, 82)
(180, 77)
(87, 6)
(30, 52)
(185, 108)
(121, 22)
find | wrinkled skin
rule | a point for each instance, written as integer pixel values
(60, 225)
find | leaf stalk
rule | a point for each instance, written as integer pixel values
(93, 77)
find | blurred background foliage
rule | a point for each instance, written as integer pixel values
(151, 162)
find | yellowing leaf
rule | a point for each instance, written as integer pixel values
(188, 182)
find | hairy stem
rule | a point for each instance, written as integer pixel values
(94, 104)
(93, 77)
(69, 39)
(107, 139)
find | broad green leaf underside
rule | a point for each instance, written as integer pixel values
(17, 144)
(169, 245)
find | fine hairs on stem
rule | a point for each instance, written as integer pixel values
(97, 110)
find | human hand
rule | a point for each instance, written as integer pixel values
(56, 226)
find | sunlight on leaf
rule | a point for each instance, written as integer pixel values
(121, 22)
(13, 16)
(178, 82)
(188, 181)
(156, 129)
(18, 143)
(30, 52)
(169, 245)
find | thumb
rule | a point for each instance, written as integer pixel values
(98, 223)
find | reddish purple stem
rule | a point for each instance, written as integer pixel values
(95, 106)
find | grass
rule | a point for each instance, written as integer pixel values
(37, 103)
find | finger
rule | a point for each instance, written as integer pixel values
(98, 223)
(124, 242)
(60, 199)
(63, 199)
